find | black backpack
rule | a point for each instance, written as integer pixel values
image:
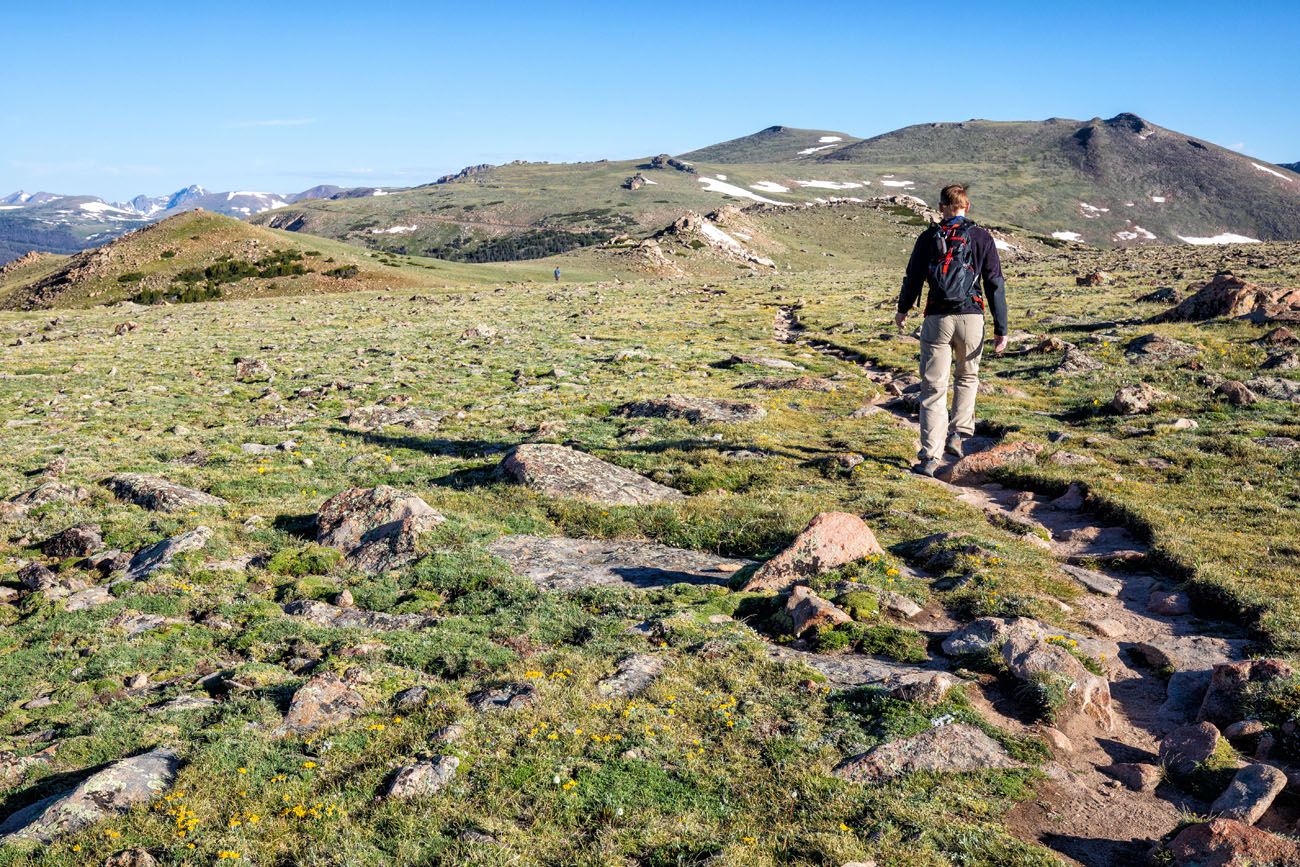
(952, 264)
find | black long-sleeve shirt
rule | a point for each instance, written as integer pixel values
(984, 256)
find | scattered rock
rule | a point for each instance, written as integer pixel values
(1159, 349)
(1251, 793)
(1075, 360)
(1095, 278)
(336, 617)
(1285, 444)
(1188, 746)
(633, 676)
(1222, 705)
(696, 410)
(761, 361)
(1035, 661)
(1228, 295)
(1138, 777)
(1169, 604)
(411, 698)
(251, 369)
(377, 528)
(557, 563)
(377, 417)
(157, 494)
(922, 687)
(973, 469)
(422, 778)
(807, 611)
(945, 749)
(1275, 388)
(1094, 581)
(130, 858)
(323, 701)
(110, 792)
(560, 471)
(1229, 843)
(161, 555)
(831, 540)
(510, 697)
(1137, 399)
(80, 540)
(798, 383)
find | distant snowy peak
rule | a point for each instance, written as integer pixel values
(22, 197)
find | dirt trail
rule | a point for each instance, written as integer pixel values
(1083, 813)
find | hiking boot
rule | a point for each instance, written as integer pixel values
(954, 444)
(927, 468)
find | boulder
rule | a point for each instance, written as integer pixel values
(160, 555)
(1036, 661)
(922, 687)
(1222, 704)
(377, 528)
(1075, 360)
(50, 492)
(337, 617)
(633, 676)
(807, 611)
(1250, 794)
(1230, 296)
(945, 749)
(1160, 349)
(80, 540)
(695, 410)
(559, 471)
(1094, 581)
(509, 697)
(157, 494)
(1169, 604)
(1137, 399)
(1138, 777)
(322, 702)
(421, 778)
(110, 792)
(831, 540)
(1229, 843)
(1188, 746)
(974, 468)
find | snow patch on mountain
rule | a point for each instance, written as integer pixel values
(1067, 236)
(806, 151)
(830, 185)
(1222, 238)
(1271, 172)
(713, 185)
(394, 230)
(769, 187)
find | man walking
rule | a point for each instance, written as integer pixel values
(959, 262)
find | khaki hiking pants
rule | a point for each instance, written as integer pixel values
(944, 340)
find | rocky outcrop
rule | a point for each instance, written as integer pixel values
(560, 471)
(557, 563)
(831, 540)
(1229, 296)
(157, 494)
(942, 750)
(111, 792)
(161, 554)
(322, 702)
(696, 410)
(1229, 843)
(377, 528)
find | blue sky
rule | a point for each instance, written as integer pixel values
(114, 99)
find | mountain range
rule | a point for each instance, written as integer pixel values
(53, 223)
(1113, 182)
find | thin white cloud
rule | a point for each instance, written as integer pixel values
(278, 121)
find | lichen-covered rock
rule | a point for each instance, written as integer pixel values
(422, 778)
(377, 528)
(377, 417)
(160, 555)
(323, 701)
(696, 410)
(945, 749)
(79, 540)
(633, 676)
(555, 563)
(1230, 296)
(560, 471)
(1137, 399)
(337, 617)
(110, 792)
(797, 383)
(157, 494)
(831, 540)
(509, 697)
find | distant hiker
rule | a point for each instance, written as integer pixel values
(557, 275)
(959, 262)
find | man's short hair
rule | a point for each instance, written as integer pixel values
(954, 195)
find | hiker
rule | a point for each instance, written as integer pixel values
(557, 275)
(959, 262)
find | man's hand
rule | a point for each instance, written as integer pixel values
(1000, 344)
(900, 318)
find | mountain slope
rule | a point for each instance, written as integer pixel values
(1105, 181)
(1295, 167)
(772, 145)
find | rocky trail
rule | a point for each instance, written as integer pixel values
(1107, 797)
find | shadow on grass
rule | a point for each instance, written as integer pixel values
(439, 446)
